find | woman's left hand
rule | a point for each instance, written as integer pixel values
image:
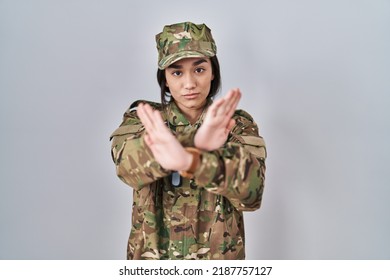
(218, 122)
(166, 149)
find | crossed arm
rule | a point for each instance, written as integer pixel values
(213, 133)
(236, 171)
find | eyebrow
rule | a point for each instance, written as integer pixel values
(179, 66)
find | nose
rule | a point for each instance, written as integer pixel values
(189, 82)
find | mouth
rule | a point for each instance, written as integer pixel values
(190, 95)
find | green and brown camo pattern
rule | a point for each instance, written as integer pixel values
(184, 40)
(203, 218)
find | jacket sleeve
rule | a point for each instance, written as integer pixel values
(134, 161)
(237, 170)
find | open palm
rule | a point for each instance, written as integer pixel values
(166, 149)
(218, 122)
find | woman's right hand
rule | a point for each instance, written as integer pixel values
(166, 149)
(218, 122)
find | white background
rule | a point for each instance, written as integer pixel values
(315, 75)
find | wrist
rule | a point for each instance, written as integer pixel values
(188, 159)
(198, 144)
(193, 162)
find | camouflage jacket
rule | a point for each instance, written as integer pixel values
(201, 219)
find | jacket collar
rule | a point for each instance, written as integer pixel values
(175, 116)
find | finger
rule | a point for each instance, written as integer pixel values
(148, 140)
(144, 112)
(144, 117)
(233, 103)
(230, 99)
(159, 133)
(158, 120)
(231, 124)
(214, 108)
(227, 98)
(149, 113)
(230, 94)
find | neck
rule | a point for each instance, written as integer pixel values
(192, 114)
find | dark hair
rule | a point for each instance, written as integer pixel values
(214, 88)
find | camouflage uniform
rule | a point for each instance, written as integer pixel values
(201, 219)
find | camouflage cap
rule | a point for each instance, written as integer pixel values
(183, 40)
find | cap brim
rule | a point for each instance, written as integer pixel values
(180, 55)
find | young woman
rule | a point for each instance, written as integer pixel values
(194, 164)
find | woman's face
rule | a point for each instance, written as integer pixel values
(189, 82)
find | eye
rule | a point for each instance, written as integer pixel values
(199, 70)
(177, 73)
